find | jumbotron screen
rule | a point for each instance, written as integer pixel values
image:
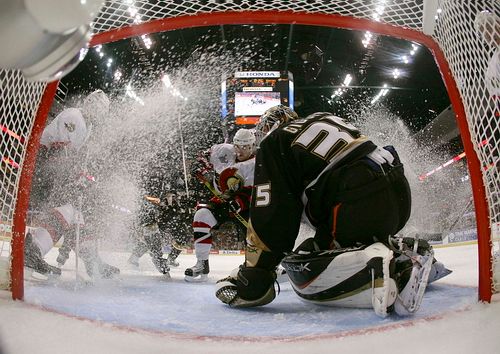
(255, 103)
(245, 95)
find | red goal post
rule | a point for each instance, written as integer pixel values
(458, 50)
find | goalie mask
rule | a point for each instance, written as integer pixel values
(272, 119)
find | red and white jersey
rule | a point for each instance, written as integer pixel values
(246, 170)
(69, 216)
(67, 129)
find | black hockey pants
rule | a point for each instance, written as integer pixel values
(365, 203)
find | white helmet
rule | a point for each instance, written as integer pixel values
(488, 25)
(95, 105)
(244, 144)
(244, 137)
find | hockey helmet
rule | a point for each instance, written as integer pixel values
(244, 137)
(95, 105)
(488, 25)
(272, 119)
(244, 143)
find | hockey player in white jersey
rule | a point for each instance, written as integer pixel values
(58, 184)
(233, 165)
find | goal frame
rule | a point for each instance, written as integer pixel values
(265, 17)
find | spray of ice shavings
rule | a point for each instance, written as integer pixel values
(436, 202)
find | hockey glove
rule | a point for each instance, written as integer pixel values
(247, 287)
(234, 206)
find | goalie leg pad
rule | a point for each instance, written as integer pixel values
(355, 277)
(250, 287)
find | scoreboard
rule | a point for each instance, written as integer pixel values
(245, 95)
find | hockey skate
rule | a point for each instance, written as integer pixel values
(198, 272)
(43, 268)
(412, 280)
(172, 262)
(162, 265)
(133, 260)
(438, 271)
(104, 270)
(172, 257)
(281, 276)
(33, 259)
(107, 271)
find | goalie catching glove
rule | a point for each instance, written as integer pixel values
(247, 287)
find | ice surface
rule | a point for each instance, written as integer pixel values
(143, 312)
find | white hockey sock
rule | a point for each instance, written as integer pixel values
(202, 250)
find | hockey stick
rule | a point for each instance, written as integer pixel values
(203, 180)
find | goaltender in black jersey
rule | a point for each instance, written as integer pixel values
(322, 170)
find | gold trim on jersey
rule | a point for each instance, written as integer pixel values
(254, 247)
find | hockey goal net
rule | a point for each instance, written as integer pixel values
(446, 27)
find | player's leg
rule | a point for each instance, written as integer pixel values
(176, 230)
(373, 202)
(36, 245)
(203, 222)
(73, 218)
(140, 247)
(155, 239)
(93, 262)
(380, 213)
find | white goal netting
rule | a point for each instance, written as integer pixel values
(467, 52)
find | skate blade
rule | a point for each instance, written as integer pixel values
(440, 275)
(196, 279)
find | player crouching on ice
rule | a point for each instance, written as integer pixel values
(354, 194)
